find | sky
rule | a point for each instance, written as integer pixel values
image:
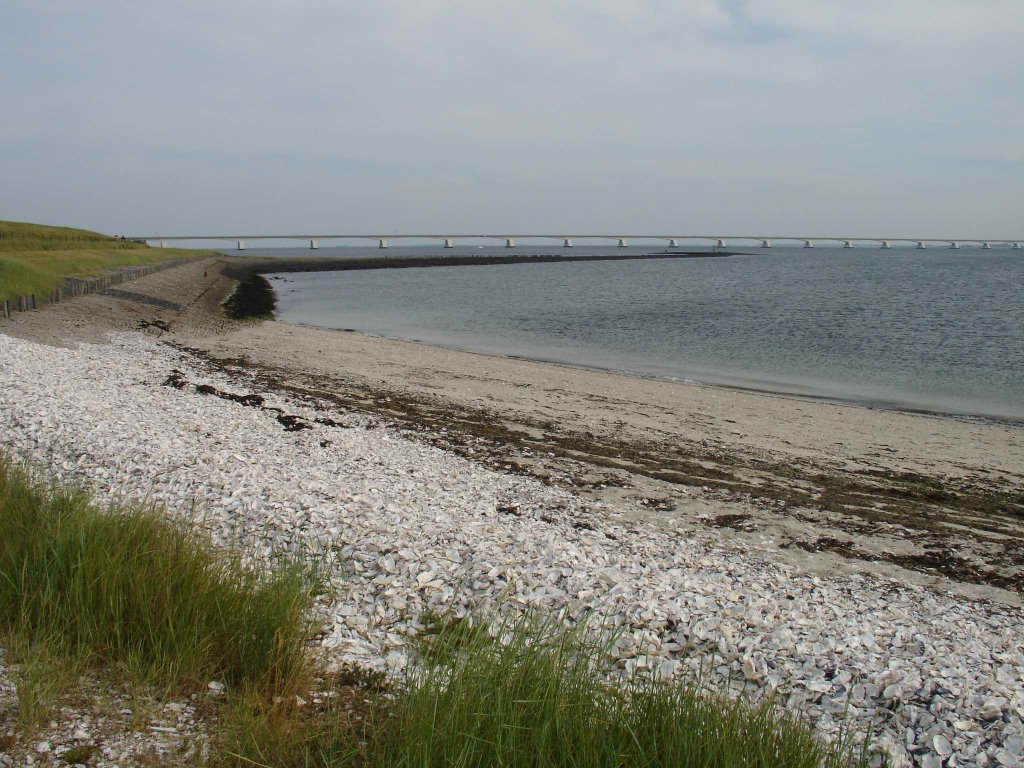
(874, 117)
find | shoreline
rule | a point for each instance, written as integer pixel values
(821, 485)
(851, 402)
(844, 560)
(266, 269)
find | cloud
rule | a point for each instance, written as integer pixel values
(737, 111)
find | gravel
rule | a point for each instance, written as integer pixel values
(402, 527)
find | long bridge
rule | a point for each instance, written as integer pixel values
(569, 240)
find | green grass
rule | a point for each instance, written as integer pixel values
(17, 235)
(35, 259)
(124, 588)
(45, 675)
(538, 698)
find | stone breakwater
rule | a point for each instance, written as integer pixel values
(402, 528)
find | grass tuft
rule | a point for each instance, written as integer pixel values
(525, 694)
(80, 755)
(124, 587)
(42, 675)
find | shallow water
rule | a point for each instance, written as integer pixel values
(934, 330)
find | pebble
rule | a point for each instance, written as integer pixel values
(403, 527)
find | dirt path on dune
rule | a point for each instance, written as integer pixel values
(831, 487)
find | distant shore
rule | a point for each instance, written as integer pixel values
(254, 297)
(266, 264)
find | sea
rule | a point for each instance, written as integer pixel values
(934, 330)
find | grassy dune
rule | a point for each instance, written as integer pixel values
(35, 259)
(124, 593)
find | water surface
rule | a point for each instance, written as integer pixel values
(934, 330)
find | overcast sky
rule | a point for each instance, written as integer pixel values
(768, 116)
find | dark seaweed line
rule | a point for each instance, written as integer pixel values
(925, 504)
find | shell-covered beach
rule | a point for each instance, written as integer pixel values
(863, 566)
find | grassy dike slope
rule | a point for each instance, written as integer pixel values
(35, 258)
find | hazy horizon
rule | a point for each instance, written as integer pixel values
(728, 116)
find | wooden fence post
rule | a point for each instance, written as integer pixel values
(73, 287)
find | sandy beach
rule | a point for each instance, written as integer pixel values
(757, 532)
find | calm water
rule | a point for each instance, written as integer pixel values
(936, 329)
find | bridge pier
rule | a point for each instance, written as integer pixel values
(241, 245)
(885, 245)
(448, 243)
(510, 243)
(382, 243)
(622, 242)
(567, 242)
(808, 244)
(766, 243)
(314, 244)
